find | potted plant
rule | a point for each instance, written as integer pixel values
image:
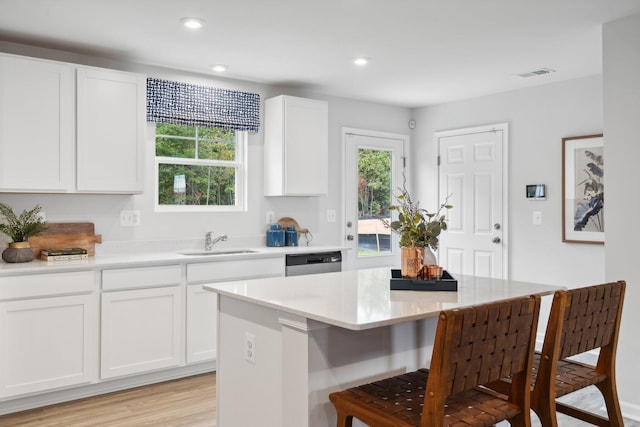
(419, 232)
(19, 228)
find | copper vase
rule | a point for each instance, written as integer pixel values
(412, 259)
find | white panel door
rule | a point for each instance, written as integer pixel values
(111, 126)
(202, 324)
(142, 330)
(37, 125)
(47, 343)
(471, 174)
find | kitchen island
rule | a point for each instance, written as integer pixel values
(284, 344)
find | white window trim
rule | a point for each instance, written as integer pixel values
(241, 178)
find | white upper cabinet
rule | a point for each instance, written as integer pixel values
(70, 128)
(296, 146)
(37, 125)
(111, 126)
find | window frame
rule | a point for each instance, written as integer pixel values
(240, 165)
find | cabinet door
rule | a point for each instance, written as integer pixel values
(141, 331)
(202, 324)
(110, 131)
(37, 125)
(47, 343)
(296, 147)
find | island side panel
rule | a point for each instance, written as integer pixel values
(248, 394)
(300, 361)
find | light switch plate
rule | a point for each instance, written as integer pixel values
(537, 218)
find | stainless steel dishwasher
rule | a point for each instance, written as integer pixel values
(313, 263)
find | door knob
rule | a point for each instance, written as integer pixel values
(496, 240)
(496, 226)
(349, 237)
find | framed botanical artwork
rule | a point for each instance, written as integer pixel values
(583, 189)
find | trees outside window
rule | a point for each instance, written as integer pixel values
(199, 168)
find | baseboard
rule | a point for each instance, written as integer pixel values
(630, 411)
(106, 386)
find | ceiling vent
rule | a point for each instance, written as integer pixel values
(538, 72)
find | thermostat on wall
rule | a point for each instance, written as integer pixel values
(536, 192)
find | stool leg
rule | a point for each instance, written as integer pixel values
(545, 409)
(610, 394)
(344, 420)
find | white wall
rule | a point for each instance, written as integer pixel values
(244, 228)
(538, 119)
(621, 85)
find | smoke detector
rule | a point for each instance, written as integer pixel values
(538, 72)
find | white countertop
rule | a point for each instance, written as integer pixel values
(362, 299)
(143, 258)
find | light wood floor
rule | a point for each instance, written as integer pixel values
(189, 402)
(186, 402)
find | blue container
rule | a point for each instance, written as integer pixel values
(291, 236)
(275, 235)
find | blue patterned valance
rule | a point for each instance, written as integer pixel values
(195, 105)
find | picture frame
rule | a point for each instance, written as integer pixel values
(583, 189)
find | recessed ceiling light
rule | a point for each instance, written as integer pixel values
(192, 23)
(361, 61)
(219, 68)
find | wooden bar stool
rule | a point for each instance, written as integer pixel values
(580, 320)
(473, 346)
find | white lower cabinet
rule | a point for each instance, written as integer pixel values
(47, 342)
(202, 324)
(202, 305)
(60, 330)
(142, 329)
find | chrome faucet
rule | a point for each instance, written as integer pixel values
(209, 241)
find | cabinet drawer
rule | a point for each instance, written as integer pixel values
(141, 277)
(235, 270)
(43, 285)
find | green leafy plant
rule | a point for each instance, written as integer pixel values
(20, 227)
(417, 226)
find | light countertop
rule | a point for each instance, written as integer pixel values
(362, 299)
(149, 258)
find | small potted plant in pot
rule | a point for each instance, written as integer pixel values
(419, 232)
(19, 228)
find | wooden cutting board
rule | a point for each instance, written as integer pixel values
(64, 235)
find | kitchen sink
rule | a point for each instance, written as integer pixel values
(218, 252)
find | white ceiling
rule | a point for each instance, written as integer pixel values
(423, 52)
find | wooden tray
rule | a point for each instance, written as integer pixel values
(64, 235)
(446, 283)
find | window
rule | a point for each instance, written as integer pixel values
(200, 168)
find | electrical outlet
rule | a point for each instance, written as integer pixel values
(250, 347)
(331, 215)
(271, 217)
(129, 218)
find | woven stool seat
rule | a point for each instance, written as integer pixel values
(570, 375)
(401, 398)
